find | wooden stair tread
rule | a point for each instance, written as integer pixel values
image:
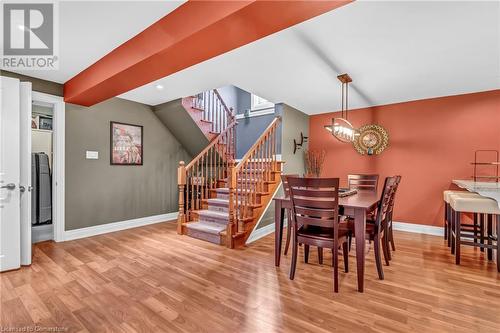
(211, 213)
(224, 202)
(225, 190)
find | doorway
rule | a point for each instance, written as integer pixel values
(16, 188)
(42, 166)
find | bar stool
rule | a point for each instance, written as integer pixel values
(463, 204)
(447, 210)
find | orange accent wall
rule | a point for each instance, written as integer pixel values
(194, 32)
(431, 142)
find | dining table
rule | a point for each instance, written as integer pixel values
(356, 206)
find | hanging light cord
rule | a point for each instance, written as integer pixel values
(346, 99)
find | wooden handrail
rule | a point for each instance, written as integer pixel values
(214, 109)
(228, 110)
(258, 142)
(211, 144)
(250, 179)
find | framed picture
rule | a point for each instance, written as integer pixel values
(126, 144)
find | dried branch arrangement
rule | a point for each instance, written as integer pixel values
(314, 160)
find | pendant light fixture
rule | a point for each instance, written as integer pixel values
(341, 128)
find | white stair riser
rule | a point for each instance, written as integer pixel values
(213, 219)
(204, 236)
(216, 208)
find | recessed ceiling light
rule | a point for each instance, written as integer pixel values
(21, 27)
(159, 87)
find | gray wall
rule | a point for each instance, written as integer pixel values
(99, 193)
(293, 122)
(180, 123)
(238, 99)
(249, 130)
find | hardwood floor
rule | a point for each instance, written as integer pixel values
(152, 280)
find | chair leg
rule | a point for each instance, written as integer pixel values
(288, 231)
(386, 242)
(320, 255)
(378, 259)
(295, 249)
(498, 243)
(335, 269)
(391, 238)
(306, 253)
(446, 221)
(449, 223)
(386, 249)
(475, 228)
(489, 232)
(481, 230)
(345, 252)
(452, 234)
(457, 237)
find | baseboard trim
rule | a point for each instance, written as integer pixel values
(117, 226)
(262, 232)
(400, 226)
(42, 233)
(418, 228)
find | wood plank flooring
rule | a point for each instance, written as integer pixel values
(150, 279)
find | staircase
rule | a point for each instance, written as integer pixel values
(195, 120)
(209, 112)
(221, 199)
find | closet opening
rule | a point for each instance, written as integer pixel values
(42, 161)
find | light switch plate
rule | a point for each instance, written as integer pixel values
(92, 155)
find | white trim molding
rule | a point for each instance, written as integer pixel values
(418, 228)
(256, 113)
(400, 226)
(117, 226)
(263, 232)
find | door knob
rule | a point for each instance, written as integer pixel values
(10, 186)
(23, 188)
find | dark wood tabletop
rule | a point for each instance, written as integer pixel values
(356, 206)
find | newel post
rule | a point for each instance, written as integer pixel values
(181, 181)
(231, 184)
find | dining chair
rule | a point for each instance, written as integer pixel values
(315, 217)
(376, 228)
(286, 190)
(389, 239)
(363, 182)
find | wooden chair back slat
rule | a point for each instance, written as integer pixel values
(386, 198)
(286, 187)
(315, 201)
(363, 182)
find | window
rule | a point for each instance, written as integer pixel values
(259, 103)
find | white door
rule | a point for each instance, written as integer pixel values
(25, 176)
(10, 227)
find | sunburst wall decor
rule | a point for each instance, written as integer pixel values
(372, 140)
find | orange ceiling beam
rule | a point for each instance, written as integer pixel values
(196, 31)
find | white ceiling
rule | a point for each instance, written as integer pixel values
(88, 30)
(394, 51)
